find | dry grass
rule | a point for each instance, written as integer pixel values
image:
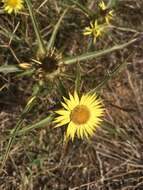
(113, 159)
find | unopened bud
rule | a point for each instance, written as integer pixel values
(25, 65)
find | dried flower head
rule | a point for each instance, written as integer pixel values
(50, 65)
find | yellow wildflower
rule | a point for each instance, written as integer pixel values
(106, 12)
(12, 5)
(83, 115)
(95, 30)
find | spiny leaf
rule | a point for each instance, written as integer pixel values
(9, 69)
(96, 54)
(83, 8)
(108, 77)
(28, 72)
(41, 45)
(56, 28)
(39, 124)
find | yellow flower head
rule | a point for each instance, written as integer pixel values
(12, 5)
(106, 12)
(83, 115)
(95, 29)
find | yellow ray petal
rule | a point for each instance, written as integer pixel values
(71, 130)
(63, 112)
(61, 122)
(74, 101)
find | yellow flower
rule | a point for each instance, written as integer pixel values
(83, 115)
(106, 12)
(12, 5)
(95, 30)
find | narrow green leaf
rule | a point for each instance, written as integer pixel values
(41, 45)
(96, 54)
(44, 122)
(56, 28)
(83, 8)
(10, 142)
(28, 72)
(108, 77)
(9, 69)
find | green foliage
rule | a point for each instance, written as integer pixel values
(6, 69)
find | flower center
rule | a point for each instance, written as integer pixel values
(80, 114)
(49, 64)
(12, 3)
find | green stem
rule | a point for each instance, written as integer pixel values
(41, 45)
